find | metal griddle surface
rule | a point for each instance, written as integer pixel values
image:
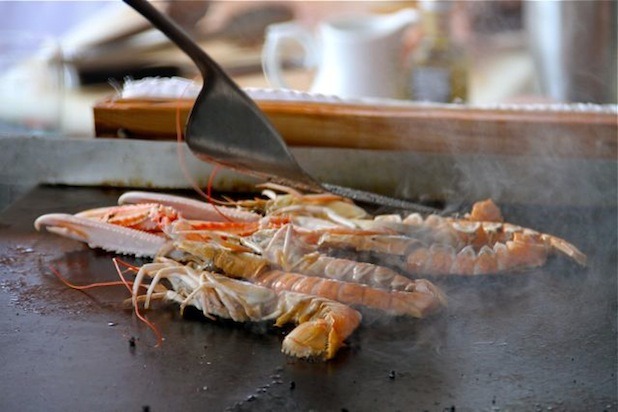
(544, 339)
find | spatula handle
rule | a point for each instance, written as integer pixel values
(174, 32)
(379, 200)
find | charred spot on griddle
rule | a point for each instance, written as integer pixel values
(392, 375)
(132, 344)
(292, 385)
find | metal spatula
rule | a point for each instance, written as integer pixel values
(226, 127)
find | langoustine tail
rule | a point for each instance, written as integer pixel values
(323, 325)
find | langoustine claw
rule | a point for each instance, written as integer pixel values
(190, 208)
(97, 234)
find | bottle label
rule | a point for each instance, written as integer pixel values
(431, 84)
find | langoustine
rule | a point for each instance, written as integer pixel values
(283, 248)
(418, 303)
(322, 324)
(287, 251)
(478, 243)
(438, 245)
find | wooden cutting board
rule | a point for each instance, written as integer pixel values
(512, 131)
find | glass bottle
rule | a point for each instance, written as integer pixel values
(439, 66)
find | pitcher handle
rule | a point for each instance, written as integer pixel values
(272, 62)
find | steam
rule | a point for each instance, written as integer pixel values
(552, 171)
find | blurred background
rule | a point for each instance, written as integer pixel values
(493, 52)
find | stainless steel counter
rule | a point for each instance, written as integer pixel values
(421, 176)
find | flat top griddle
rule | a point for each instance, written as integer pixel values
(544, 339)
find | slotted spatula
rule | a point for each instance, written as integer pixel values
(226, 127)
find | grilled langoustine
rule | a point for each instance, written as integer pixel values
(322, 324)
(288, 247)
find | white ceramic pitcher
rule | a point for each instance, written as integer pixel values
(354, 57)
